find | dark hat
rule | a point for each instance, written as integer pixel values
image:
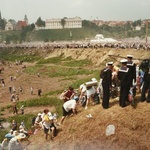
(76, 98)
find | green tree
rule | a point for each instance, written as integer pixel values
(32, 26)
(26, 30)
(8, 39)
(63, 22)
(85, 23)
(127, 26)
(137, 22)
(2, 24)
(40, 22)
(89, 24)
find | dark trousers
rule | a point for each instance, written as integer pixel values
(15, 109)
(106, 95)
(124, 92)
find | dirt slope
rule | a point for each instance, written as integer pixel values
(79, 132)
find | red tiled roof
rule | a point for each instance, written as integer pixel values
(22, 24)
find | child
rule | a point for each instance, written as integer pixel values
(22, 109)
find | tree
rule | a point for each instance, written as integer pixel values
(26, 30)
(127, 26)
(32, 26)
(2, 24)
(138, 22)
(89, 24)
(63, 22)
(86, 23)
(40, 22)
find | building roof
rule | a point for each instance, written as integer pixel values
(22, 23)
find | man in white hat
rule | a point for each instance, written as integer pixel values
(132, 69)
(123, 76)
(107, 84)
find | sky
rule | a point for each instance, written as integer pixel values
(106, 10)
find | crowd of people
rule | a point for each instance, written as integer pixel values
(43, 121)
(130, 79)
(122, 83)
(51, 46)
(13, 139)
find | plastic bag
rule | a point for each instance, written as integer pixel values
(110, 130)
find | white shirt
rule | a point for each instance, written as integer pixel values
(46, 121)
(14, 144)
(90, 91)
(71, 104)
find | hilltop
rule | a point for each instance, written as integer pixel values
(79, 132)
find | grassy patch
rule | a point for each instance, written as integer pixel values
(56, 71)
(13, 55)
(27, 118)
(43, 101)
(2, 134)
(78, 63)
(53, 60)
(65, 61)
(63, 71)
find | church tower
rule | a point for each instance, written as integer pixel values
(26, 19)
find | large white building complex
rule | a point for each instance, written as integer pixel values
(63, 23)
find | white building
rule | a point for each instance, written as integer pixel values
(9, 26)
(68, 23)
(137, 28)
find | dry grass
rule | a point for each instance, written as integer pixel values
(81, 133)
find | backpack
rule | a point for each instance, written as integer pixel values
(46, 118)
(61, 97)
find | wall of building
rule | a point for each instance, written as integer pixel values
(69, 23)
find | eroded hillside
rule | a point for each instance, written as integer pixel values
(79, 132)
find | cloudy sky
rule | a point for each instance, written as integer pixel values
(86, 9)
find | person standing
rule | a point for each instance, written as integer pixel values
(48, 124)
(132, 69)
(20, 89)
(3, 82)
(22, 109)
(10, 89)
(124, 77)
(39, 92)
(31, 90)
(146, 86)
(106, 84)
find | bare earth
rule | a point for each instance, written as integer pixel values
(132, 126)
